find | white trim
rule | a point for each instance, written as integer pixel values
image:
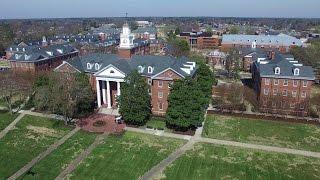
(110, 65)
(165, 71)
(65, 62)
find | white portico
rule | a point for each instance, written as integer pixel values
(108, 86)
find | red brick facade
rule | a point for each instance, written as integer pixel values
(285, 96)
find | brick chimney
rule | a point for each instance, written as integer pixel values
(124, 53)
(271, 54)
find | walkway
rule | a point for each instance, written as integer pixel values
(101, 123)
(72, 166)
(43, 154)
(11, 125)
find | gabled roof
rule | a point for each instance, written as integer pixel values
(280, 40)
(266, 68)
(157, 63)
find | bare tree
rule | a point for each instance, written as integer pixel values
(15, 86)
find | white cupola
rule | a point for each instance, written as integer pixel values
(126, 37)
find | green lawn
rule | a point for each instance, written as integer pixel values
(282, 134)
(127, 157)
(156, 123)
(207, 161)
(5, 119)
(31, 136)
(57, 161)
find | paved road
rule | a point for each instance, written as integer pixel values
(43, 154)
(73, 165)
(11, 125)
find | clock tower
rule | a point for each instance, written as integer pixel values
(126, 38)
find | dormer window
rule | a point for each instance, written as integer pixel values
(296, 71)
(277, 71)
(89, 66)
(150, 69)
(96, 66)
(140, 69)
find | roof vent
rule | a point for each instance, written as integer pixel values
(150, 69)
(89, 66)
(296, 72)
(277, 70)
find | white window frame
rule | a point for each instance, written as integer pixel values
(304, 94)
(160, 83)
(285, 92)
(266, 91)
(277, 71)
(295, 83)
(296, 71)
(150, 69)
(275, 92)
(276, 80)
(150, 82)
(285, 82)
(160, 106)
(302, 106)
(294, 93)
(305, 83)
(267, 81)
(292, 105)
(160, 94)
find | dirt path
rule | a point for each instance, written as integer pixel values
(43, 154)
(72, 166)
(11, 125)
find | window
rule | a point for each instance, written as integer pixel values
(292, 105)
(276, 81)
(170, 84)
(301, 106)
(89, 66)
(140, 69)
(274, 104)
(295, 83)
(160, 94)
(97, 66)
(266, 91)
(305, 83)
(296, 72)
(285, 93)
(160, 106)
(294, 93)
(275, 92)
(150, 70)
(285, 82)
(267, 81)
(160, 83)
(150, 82)
(303, 94)
(277, 71)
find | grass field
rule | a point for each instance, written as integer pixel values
(208, 161)
(156, 124)
(5, 119)
(57, 161)
(31, 136)
(282, 134)
(126, 157)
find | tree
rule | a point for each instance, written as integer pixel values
(233, 64)
(68, 94)
(205, 80)
(178, 47)
(15, 87)
(234, 30)
(249, 30)
(186, 109)
(134, 101)
(133, 25)
(177, 31)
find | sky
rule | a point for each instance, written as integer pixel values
(23, 9)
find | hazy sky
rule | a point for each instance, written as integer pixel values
(104, 8)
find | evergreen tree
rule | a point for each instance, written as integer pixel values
(134, 101)
(205, 80)
(185, 109)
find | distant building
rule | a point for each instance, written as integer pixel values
(201, 40)
(283, 85)
(145, 33)
(39, 58)
(281, 42)
(216, 59)
(144, 23)
(107, 72)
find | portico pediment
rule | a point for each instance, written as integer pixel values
(110, 72)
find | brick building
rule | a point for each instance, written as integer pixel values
(283, 85)
(201, 40)
(107, 72)
(40, 58)
(281, 42)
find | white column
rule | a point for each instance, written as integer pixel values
(104, 97)
(108, 94)
(118, 88)
(98, 93)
